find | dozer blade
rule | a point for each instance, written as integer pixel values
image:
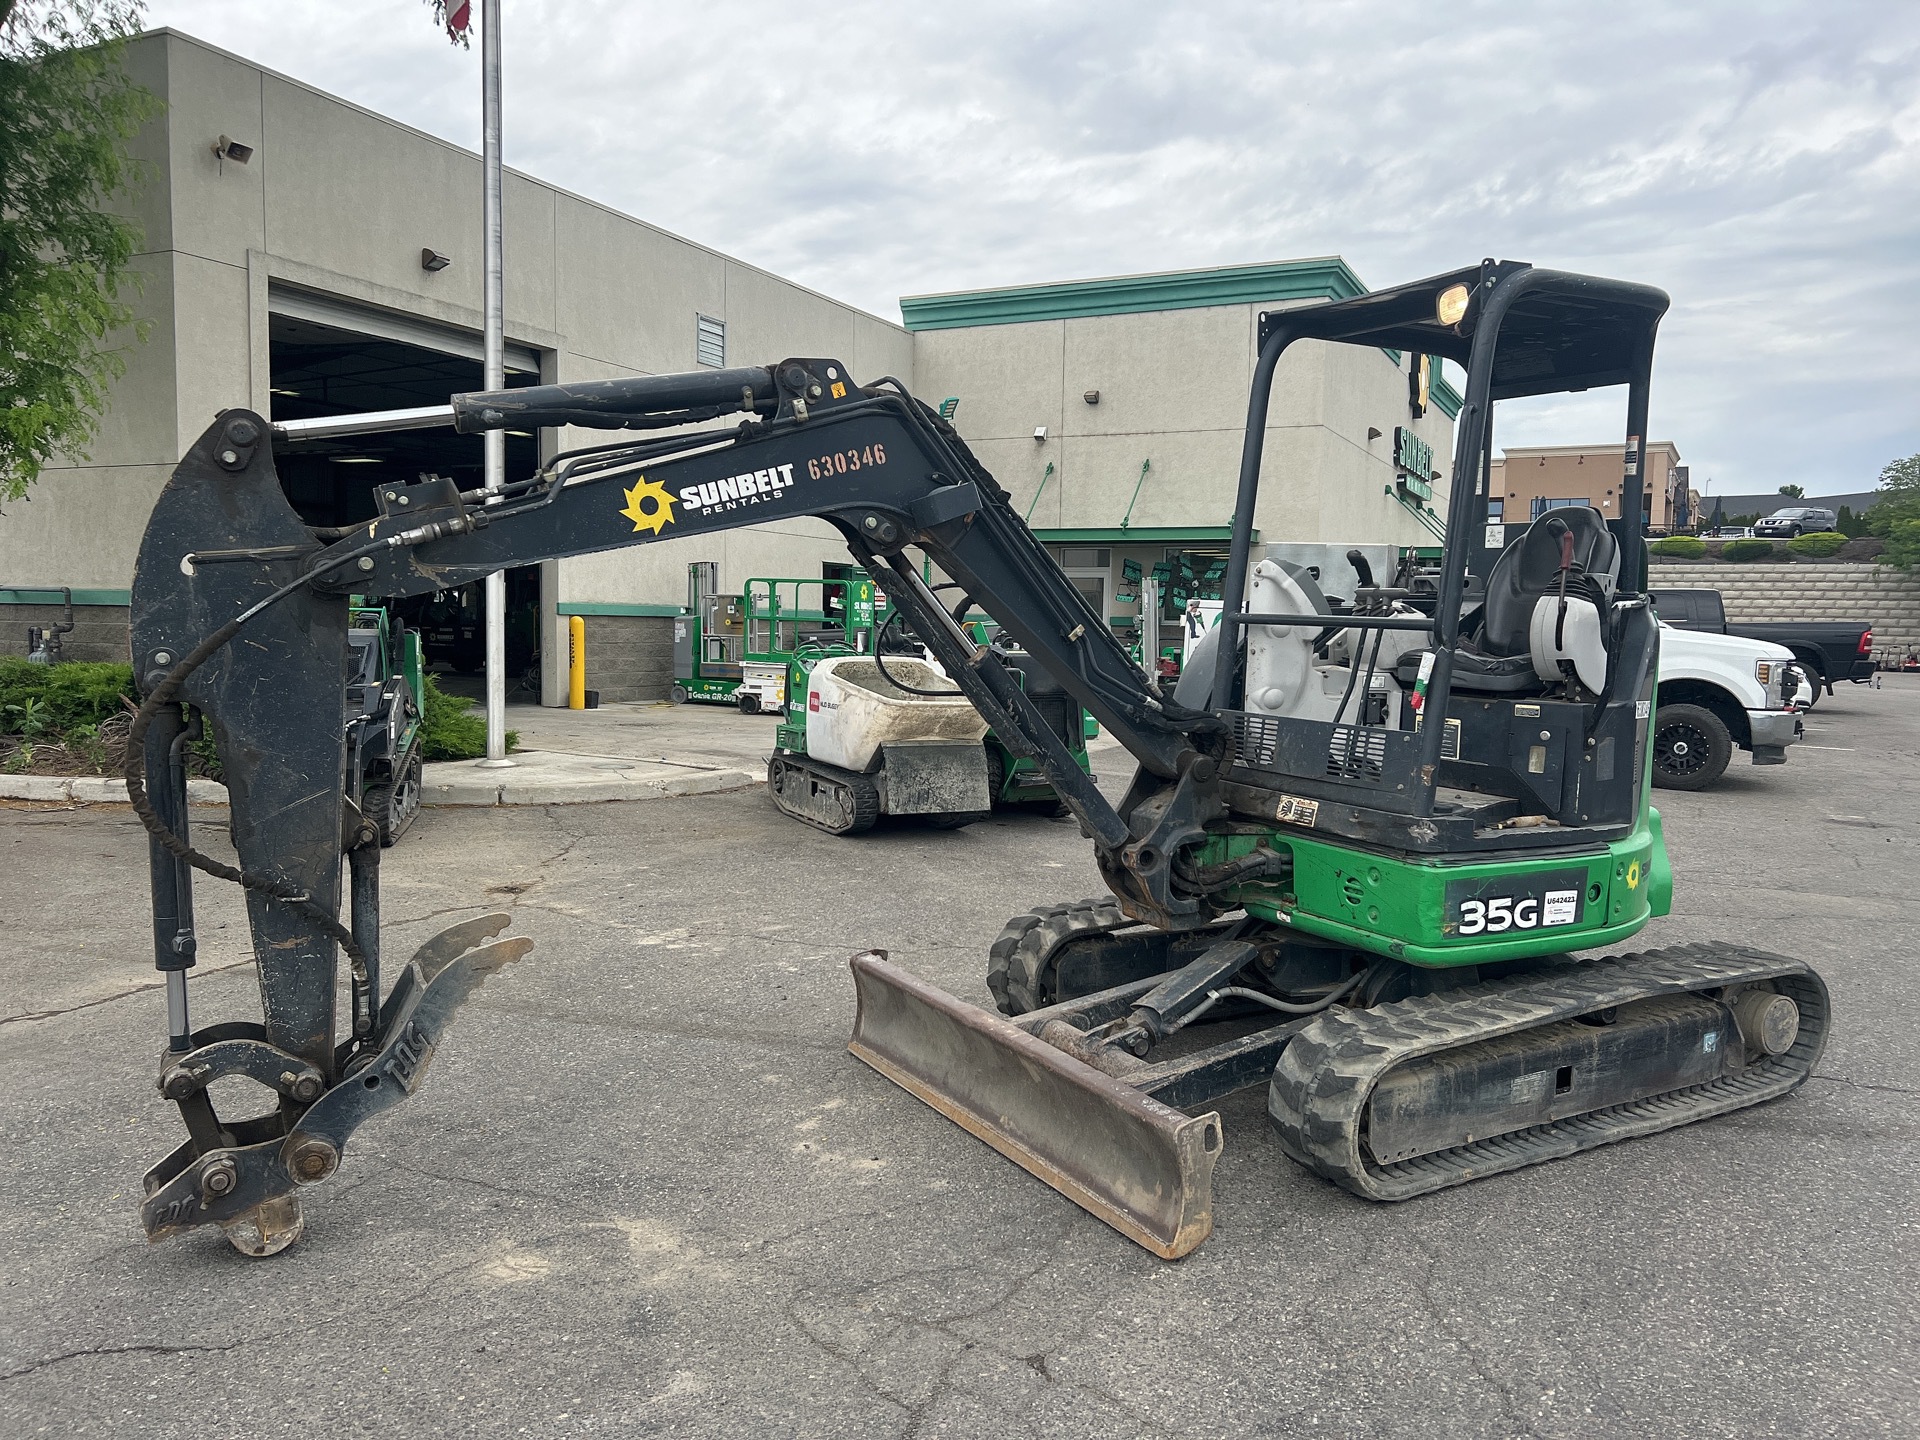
(1144, 1168)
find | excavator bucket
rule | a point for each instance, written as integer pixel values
(1141, 1166)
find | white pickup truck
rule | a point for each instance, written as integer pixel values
(1717, 692)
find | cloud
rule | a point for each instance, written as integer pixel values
(1759, 161)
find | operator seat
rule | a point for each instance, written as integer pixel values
(1499, 657)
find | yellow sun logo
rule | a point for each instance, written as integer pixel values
(659, 516)
(1633, 875)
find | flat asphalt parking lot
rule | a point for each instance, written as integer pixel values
(647, 1191)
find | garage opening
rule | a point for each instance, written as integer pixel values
(325, 362)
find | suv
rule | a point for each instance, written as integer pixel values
(1798, 520)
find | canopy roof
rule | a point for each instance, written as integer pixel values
(1564, 332)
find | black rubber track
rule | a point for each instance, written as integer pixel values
(859, 796)
(1020, 964)
(1319, 1094)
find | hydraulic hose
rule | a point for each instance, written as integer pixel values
(1285, 1007)
(167, 692)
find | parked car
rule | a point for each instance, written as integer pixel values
(1719, 693)
(1795, 520)
(1732, 532)
(1825, 650)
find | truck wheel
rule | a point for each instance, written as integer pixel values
(1817, 679)
(1691, 747)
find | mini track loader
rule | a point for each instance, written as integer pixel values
(1384, 829)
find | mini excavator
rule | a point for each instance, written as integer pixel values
(1362, 847)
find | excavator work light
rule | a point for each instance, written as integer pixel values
(1452, 304)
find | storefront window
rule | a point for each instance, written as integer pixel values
(1542, 504)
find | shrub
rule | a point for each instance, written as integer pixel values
(449, 732)
(1817, 544)
(1903, 544)
(1680, 547)
(53, 699)
(1742, 551)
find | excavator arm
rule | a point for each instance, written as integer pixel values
(240, 612)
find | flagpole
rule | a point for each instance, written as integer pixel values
(494, 375)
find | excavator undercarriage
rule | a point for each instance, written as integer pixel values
(1367, 853)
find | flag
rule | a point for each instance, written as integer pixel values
(456, 16)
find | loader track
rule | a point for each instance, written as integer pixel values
(823, 796)
(1318, 1098)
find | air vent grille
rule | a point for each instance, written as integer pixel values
(1354, 753)
(710, 341)
(1257, 739)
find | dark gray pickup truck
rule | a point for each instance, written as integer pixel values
(1827, 650)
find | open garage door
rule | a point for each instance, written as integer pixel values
(329, 358)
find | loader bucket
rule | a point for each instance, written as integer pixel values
(1141, 1166)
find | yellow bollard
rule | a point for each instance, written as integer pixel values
(576, 663)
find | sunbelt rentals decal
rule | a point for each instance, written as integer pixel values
(651, 507)
(738, 490)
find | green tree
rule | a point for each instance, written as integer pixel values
(1895, 515)
(67, 111)
(1794, 492)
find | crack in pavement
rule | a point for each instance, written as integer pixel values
(1422, 1285)
(917, 1415)
(96, 1350)
(1863, 1085)
(117, 995)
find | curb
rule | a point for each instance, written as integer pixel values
(109, 790)
(96, 789)
(469, 788)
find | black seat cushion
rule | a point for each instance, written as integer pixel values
(1478, 674)
(1530, 568)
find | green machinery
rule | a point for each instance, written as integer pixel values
(1364, 863)
(386, 701)
(872, 734)
(735, 649)
(758, 651)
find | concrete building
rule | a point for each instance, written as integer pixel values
(1527, 481)
(308, 280)
(296, 284)
(1114, 412)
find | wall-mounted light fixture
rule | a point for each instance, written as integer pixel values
(226, 148)
(1373, 432)
(432, 261)
(1092, 397)
(1039, 434)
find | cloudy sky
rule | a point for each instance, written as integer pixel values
(1759, 161)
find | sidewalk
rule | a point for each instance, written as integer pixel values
(617, 752)
(568, 757)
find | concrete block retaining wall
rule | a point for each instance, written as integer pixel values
(99, 631)
(1809, 590)
(630, 657)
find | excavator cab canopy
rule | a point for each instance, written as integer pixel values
(1564, 333)
(1512, 730)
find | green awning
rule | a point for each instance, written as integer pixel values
(1141, 535)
